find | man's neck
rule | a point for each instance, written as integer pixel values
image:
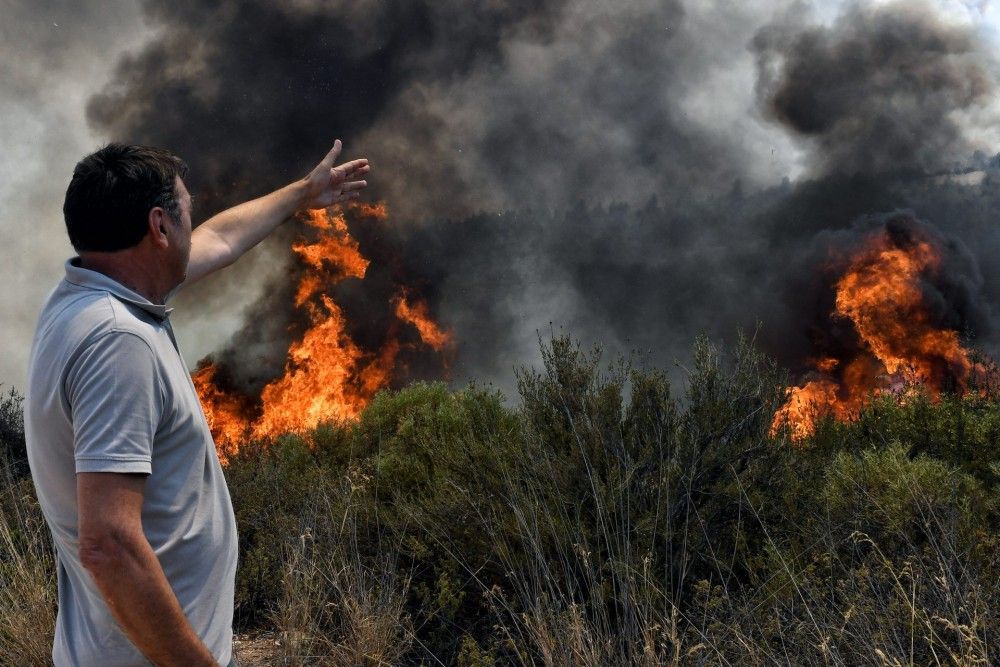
(127, 270)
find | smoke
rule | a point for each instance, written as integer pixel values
(53, 55)
(589, 108)
(610, 169)
(879, 97)
(878, 92)
(513, 104)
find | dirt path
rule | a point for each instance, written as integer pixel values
(257, 651)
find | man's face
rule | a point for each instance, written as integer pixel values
(181, 242)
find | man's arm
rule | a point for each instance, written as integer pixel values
(221, 240)
(118, 556)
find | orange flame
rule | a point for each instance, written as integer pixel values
(222, 410)
(880, 295)
(333, 256)
(804, 406)
(327, 376)
(417, 314)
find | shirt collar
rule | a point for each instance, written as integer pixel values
(95, 280)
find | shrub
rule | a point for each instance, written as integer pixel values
(605, 520)
(12, 446)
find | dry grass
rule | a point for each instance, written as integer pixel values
(339, 608)
(27, 577)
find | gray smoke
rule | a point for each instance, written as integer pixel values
(53, 55)
(563, 164)
(877, 93)
(508, 105)
(877, 98)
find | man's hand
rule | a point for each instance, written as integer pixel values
(221, 240)
(327, 185)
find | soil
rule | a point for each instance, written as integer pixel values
(261, 650)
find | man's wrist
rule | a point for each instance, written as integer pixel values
(298, 195)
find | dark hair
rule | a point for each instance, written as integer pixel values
(111, 192)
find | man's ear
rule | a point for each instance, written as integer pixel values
(157, 227)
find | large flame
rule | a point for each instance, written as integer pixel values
(327, 376)
(900, 346)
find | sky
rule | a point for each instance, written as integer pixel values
(55, 57)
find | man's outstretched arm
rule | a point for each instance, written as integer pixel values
(114, 549)
(221, 240)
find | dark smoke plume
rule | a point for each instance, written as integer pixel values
(876, 97)
(502, 138)
(460, 109)
(877, 92)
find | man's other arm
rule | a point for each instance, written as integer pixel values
(224, 238)
(121, 561)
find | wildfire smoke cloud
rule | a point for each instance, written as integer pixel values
(520, 146)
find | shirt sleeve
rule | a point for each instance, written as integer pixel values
(116, 402)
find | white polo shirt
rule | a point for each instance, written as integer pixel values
(108, 391)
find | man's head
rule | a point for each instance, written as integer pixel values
(112, 192)
(131, 199)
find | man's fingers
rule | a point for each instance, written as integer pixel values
(348, 169)
(353, 185)
(360, 171)
(356, 175)
(332, 156)
(346, 172)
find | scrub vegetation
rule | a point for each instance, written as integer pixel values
(27, 568)
(602, 518)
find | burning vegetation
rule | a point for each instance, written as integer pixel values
(894, 326)
(898, 338)
(327, 375)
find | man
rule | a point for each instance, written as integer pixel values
(120, 453)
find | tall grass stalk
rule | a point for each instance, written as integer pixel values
(340, 607)
(27, 576)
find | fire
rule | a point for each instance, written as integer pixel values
(804, 405)
(333, 256)
(223, 410)
(899, 343)
(327, 375)
(317, 383)
(416, 314)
